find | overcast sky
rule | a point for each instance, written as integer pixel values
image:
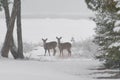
(55, 7)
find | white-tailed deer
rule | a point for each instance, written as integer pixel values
(48, 46)
(63, 46)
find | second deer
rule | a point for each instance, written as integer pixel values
(63, 46)
(48, 46)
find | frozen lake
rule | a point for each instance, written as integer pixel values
(35, 29)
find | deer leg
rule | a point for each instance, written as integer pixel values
(62, 52)
(54, 52)
(45, 52)
(49, 52)
(69, 52)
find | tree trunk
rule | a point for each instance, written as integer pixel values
(8, 38)
(13, 48)
(19, 32)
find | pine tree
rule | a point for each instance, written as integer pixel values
(105, 18)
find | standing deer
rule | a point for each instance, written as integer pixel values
(48, 46)
(63, 46)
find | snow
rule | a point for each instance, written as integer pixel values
(117, 23)
(116, 44)
(39, 67)
(36, 29)
(80, 69)
(53, 67)
(116, 29)
(36, 70)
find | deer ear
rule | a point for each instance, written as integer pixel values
(42, 39)
(60, 37)
(56, 37)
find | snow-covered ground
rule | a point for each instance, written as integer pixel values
(53, 68)
(50, 70)
(39, 67)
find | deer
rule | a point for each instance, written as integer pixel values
(62, 46)
(49, 45)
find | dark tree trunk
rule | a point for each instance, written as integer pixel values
(8, 38)
(13, 48)
(19, 32)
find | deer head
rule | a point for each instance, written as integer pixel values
(58, 38)
(44, 40)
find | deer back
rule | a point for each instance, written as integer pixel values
(50, 45)
(65, 45)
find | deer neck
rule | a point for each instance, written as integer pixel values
(59, 43)
(44, 45)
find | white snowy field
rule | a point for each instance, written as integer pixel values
(53, 68)
(39, 67)
(36, 29)
(57, 70)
